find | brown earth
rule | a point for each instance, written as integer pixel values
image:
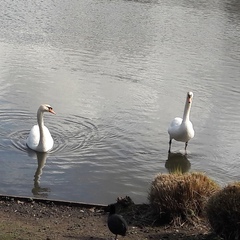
(25, 219)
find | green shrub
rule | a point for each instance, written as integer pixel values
(223, 212)
(181, 197)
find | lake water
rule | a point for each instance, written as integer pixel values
(116, 73)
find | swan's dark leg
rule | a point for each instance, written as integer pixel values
(186, 143)
(116, 237)
(170, 143)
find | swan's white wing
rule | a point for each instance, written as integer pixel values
(48, 140)
(179, 131)
(176, 122)
(174, 129)
(33, 137)
(190, 130)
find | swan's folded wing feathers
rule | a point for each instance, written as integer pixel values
(176, 122)
(33, 138)
(48, 138)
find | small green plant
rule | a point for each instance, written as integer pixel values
(181, 197)
(223, 211)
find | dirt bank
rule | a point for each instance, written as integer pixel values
(24, 218)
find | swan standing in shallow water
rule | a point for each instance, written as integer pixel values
(39, 138)
(181, 129)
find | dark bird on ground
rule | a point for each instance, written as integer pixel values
(116, 223)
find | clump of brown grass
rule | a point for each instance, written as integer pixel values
(178, 198)
(223, 211)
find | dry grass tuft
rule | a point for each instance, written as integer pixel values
(223, 211)
(180, 198)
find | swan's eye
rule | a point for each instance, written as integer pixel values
(49, 108)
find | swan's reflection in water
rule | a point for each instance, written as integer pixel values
(177, 162)
(37, 190)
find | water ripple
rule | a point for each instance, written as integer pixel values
(69, 135)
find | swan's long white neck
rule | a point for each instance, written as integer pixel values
(41, 125)
(187, 109)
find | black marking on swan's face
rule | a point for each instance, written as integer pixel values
(189, 97)
(49, 108)
(190, 94)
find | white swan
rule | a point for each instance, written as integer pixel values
(182, 129)
(39, 138)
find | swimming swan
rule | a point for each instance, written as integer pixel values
(39, 138)
(182, 129)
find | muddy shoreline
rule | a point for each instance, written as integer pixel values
(33, 218)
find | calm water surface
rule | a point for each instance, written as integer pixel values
(117, 72)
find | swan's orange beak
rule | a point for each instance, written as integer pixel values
(51, 111)
(189, 100)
